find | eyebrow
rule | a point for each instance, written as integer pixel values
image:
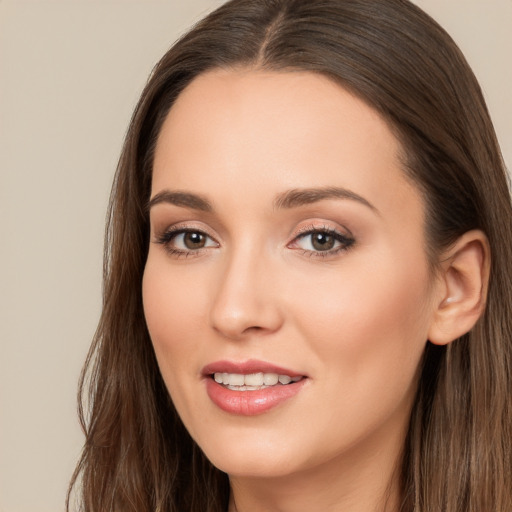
(293, 198)
(299, 197)
(183, 199)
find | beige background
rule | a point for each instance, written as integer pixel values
(70, 73)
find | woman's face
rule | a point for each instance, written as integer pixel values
(286, 243)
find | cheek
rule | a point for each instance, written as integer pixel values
(173, 313)
(370, 322)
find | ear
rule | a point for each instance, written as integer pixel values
(463, 282)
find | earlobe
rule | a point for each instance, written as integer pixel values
(463, 282)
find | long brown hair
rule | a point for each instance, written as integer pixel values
(457, 455)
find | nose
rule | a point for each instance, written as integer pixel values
(246, 299)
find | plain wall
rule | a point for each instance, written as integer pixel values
(70, 74)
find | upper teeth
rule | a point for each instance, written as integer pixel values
(253, 379)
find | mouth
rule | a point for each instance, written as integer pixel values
(252, 387)
(253, 381)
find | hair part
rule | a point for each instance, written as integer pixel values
(137, 455)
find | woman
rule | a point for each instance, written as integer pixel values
(308, 271)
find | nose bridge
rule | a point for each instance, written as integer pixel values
(244, 301)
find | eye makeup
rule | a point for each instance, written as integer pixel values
(321, 241)
(183, 242)
(313, 241)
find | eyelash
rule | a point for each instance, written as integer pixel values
(168, 236)
(345, 242)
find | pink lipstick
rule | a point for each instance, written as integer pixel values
(251, 387)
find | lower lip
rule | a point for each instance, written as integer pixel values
(251, 403)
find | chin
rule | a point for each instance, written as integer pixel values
(252, 455)
(255, 467)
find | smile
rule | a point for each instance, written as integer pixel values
(252, 387)
(253, 381)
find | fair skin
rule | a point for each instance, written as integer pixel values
(235, 273)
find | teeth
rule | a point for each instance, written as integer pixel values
(236, 379)
(270, 379)
(244, 388)
(252, 381)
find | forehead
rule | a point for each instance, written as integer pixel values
(267, 131)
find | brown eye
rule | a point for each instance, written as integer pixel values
(186, 241)
(322, 241)
(194, 240)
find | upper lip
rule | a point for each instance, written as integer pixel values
(247, 367)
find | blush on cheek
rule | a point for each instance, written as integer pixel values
(173, 319)
(376, 318)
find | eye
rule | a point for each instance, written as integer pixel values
(191, 240)
(185, 241)
(322, 242)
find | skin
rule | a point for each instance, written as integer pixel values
(355, 322)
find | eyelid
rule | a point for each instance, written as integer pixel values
(314, 226)
(345, 240)
(166, 236)
(183, 227)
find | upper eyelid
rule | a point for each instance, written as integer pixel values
(341, 237)
(181, 227)
(311, 227)
(345, 243)
(167, 235)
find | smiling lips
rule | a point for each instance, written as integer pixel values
(250, 388)
(252, 381)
